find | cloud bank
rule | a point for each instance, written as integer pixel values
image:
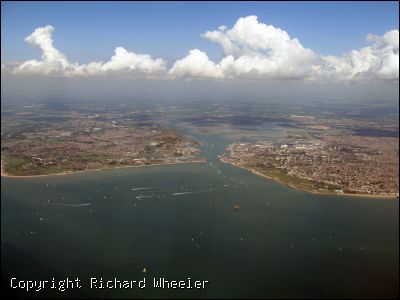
(251, 50)
(256, 50)
(56, 63)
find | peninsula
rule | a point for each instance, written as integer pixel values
(37, 140)
(338, 165)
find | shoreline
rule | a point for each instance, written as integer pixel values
(382, 196)
(3, 174)
(360, 195)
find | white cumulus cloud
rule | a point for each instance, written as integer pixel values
(251, 49)
(378, 61)
(123, 61)
(54, 62)
(196, 64)
(256, 50)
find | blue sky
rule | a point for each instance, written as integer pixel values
(87, 31)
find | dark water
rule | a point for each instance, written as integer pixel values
(281, 242)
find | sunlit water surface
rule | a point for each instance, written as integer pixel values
(178, 221)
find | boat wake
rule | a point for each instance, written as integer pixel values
(143, 196)
(194, 192)
(74, 205)
(141, 188)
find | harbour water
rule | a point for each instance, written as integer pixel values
(178, 221)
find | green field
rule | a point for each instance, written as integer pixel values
(300, 183)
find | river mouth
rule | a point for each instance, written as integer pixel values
(181, 221)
